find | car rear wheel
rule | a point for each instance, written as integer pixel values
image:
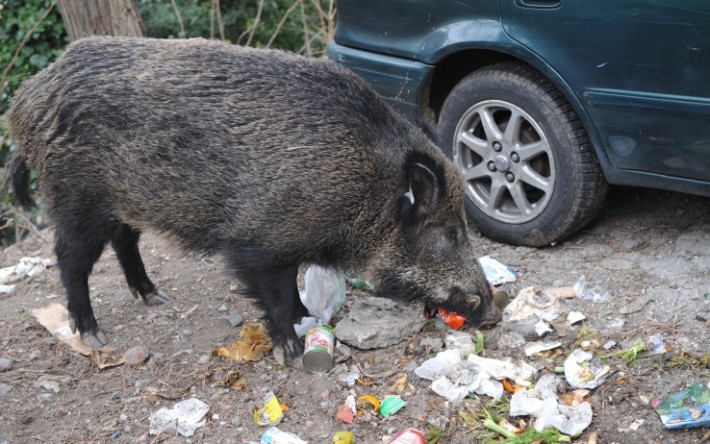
(531, 175)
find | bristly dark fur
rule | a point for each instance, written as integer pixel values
(271, 159)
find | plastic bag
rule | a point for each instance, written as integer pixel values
(323, 295)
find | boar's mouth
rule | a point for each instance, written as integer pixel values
(479, 308)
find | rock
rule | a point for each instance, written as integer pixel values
(4, 389)
(234, 288)
(378, 323)
(235, 319)
(435, 344)
(47, 383)
(222, 308)
(141, 383)
(5, 364)
(236, 421)
(510, 340)
(136, 356)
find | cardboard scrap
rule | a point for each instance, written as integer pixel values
(55, 318)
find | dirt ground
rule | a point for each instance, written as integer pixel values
(650, 249)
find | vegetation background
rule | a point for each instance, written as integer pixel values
(32, 35)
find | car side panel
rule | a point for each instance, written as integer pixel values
(415, 29)
(639, 67)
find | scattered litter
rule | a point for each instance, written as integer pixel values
(542, 328)
(542, 403)
(346, 412)
(275, 436)
(378, 323)
(575, 316)
(530, 302)
(452, 319)
(55, 318)
(575, 397)
(360, 284)
(184, 418)
(608, 345)
(687, 409)
(350, 377)
(368, 402)
(254, 345)
(454, 378)
(344, 437)
(391, 404)
(655, 344)
(462, 341)
(270, 412)
(583, 370)
(28, 267)
(409, 436)
(323, 295)
(500, 298)
(560, 292)
(538, 347)
(495, 272)
(634, 426)
(594, 294)
(233, 381)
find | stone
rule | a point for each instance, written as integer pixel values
(136, 356)
(378, 323)
(235, 318)
(5, 364)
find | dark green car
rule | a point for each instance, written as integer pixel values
(541, 103)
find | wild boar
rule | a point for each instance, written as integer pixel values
(270, 159)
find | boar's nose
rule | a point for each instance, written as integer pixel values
(493, 316)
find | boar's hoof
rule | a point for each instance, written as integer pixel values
(95, 340)
(155, 297)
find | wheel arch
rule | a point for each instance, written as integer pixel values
(452, 67)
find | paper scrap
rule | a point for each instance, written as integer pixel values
(55, 318)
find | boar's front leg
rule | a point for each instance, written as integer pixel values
(276, 291)
(125, 243)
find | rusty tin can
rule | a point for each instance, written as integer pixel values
(318, 351)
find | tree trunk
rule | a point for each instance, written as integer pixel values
(83, 18)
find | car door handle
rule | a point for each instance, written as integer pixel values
(539, 4)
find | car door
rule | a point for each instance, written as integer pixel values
(641, 68)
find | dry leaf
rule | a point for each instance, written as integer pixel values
(254, 345)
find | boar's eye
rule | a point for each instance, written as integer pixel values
(453, 234)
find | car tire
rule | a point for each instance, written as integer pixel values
(533, 183)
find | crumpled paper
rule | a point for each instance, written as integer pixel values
(253, 345)
(454, 378)
(543, 404)
(583, 370)
(28, 267)
(184, 418)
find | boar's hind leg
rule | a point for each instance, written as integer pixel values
(125, 243)
(76, 256)
(277, 292)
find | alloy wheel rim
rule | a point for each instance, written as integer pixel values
(506, 160)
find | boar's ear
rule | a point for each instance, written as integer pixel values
(425, 190)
